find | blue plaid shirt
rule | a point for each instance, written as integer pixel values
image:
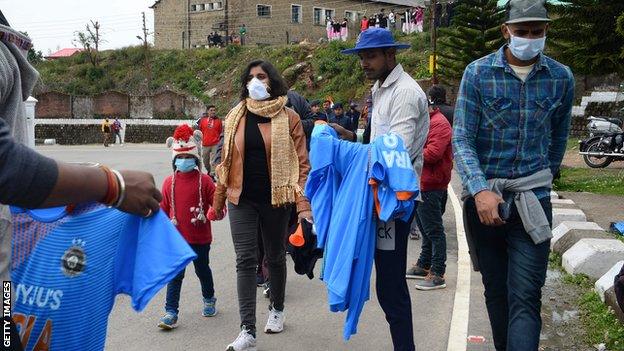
(507, 128)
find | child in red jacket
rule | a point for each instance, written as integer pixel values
(187, 195)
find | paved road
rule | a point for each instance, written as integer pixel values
(309, 324)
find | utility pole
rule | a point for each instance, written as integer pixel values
(188, 23)
(148, 70)
(434, 38)
(227, 23)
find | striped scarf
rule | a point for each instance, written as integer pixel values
(284, 161)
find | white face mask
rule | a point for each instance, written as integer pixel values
(526, 49)
(257, 90)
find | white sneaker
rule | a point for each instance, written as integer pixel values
(244, 342)
(275, 324)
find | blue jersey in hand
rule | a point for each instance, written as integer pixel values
(67, 269)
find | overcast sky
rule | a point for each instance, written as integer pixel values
(52, 23)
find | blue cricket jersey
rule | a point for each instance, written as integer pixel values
(394, 176)
(67, 269)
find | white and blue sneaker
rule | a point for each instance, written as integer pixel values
(210, 308)
(168, 321)
(245, 341)
(275, 323)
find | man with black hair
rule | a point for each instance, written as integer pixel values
(211, 127)
(437, 98)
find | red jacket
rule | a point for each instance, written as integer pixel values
(187, 196)
(211, 129)
(438, 154)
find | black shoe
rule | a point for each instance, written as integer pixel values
(417, 272)
(432, 282)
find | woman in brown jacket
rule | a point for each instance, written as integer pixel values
(262, 174)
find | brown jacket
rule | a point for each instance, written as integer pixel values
(235, 182)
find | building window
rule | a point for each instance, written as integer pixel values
(352, 16)
(263, 10)
(209, 7)
(201, 7)
(320, 15)
(296, 11)
(318, 19)
(218, 5)
(329, 13)
(193, 8)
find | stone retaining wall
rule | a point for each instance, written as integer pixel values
(88, 131)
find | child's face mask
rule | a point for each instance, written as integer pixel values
(185, 165)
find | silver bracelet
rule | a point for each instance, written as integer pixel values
(122, 188)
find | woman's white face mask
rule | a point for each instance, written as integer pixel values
(257, 90)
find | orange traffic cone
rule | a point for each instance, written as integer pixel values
(296, 239)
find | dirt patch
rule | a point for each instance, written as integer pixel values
(562, 328)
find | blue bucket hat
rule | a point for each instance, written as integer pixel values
(375, 38)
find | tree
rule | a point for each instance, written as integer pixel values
(584, 36)
(620, 30)
(474, 33)
(90, 41)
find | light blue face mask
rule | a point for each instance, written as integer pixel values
(185, 165)
(526, 49)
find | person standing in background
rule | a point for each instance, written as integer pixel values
(437, 97)
(354, 117)
(344, 29)
(243, 34)
(117, 127)
(106, 131)
(363, 24)
(211, 127)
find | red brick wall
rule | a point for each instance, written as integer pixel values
(112, 104)
(53, 105)
(168, 104)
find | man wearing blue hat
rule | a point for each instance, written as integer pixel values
(511, 125)
(399, 106)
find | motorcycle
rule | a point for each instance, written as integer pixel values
(601, 124)
(600, 150)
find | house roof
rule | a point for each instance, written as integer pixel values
(67, 52)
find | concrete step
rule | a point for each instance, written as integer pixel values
(567, 214)
(564, 229)
(574, 236)
(593, 257)
(606, 281)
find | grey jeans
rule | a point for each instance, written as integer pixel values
(245, 219)
(207, 157)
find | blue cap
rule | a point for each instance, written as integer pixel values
(375, 38)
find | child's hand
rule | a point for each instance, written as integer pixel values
(214, 215)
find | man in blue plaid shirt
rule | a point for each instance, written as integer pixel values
(512, 120)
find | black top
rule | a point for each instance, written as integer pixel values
(256, 180)
(336, 26)
(26, 177)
